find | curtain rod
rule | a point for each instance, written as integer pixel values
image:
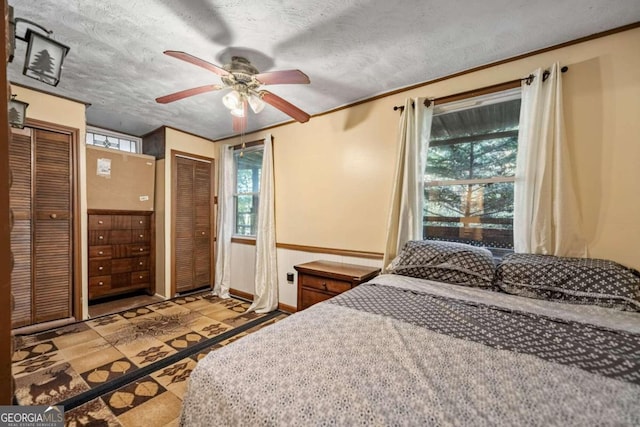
(248, 144)
(528, 80)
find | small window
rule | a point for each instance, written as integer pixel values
(470, 171)
(248, 170)
(116, 141)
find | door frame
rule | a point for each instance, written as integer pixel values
(174, 207)
(76, 226)
(6, 347)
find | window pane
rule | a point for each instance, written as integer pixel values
(476, 213)
(125, 145)
(486, 158)
(248, 165)
(246, 214)
(248, 171)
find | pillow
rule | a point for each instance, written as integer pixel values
(572, 280)
(448, 262)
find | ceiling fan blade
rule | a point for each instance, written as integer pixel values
(240, 123)
(187, 93)
(197, 61)
(282, 77)
(284, 106)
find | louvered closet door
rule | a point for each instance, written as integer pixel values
(20, 203)
(52, 241)
(41, 239)
(184, 225)
(192, 224)
(202, 241)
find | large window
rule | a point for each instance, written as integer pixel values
(470, 170)
(114, 140)
(248, 169)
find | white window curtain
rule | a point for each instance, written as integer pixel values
(546, 215)
(226, 179)
(266, 282)
(407, 198)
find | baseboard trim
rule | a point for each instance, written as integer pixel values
(40, 327)
(249, 297)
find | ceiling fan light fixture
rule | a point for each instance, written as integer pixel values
(238, 112)
(256, 103)
(233, 101)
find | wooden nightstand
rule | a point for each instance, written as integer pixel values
(321, 280)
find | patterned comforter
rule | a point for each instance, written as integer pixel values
(404, 351)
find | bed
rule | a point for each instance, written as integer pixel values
(405, 350)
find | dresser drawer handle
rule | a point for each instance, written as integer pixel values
(101, 222)
(100, 253)
(140, 263)
(141, 236)
(100, 283)
(100, 237)
(203, 233)
(325, 285)
(140, 221)
(139, 277)
(101, 268)
(141, 249)
(53, 216)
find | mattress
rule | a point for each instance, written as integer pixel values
(405, 351)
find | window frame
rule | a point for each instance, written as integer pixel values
(461, 102)
(112, 134)
(244, 148)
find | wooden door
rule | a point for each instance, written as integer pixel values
(20, 203)
(202, 224)
(193, 223)
(42, 236)
(6, 340)
(52, 242)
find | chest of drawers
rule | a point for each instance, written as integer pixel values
(121, 255)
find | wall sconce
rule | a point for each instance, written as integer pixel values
(44, 55)
(17, 112)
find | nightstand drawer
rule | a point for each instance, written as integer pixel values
(325, 284)
(309, 297)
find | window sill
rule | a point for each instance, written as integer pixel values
(244, 240)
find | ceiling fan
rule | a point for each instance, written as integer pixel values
(244, 80)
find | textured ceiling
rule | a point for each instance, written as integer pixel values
(351, 50)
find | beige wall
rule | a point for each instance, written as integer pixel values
(186, 143)
(52, 109)
(333, 174)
